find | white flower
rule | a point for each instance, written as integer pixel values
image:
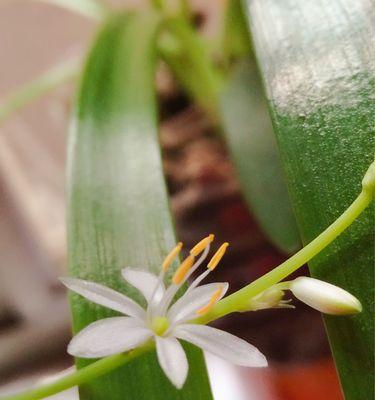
(325, 297)
(161, 321)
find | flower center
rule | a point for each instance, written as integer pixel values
(160, 325)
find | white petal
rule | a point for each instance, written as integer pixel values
(172, 359)
(222, 344)
(324, 296)
(186, 307)
(108, 336)
(145, 282)
(105, 296)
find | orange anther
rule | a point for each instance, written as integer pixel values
(171, 256)
(200, 246)
(183, 270)
(217, 256)
(215, 297)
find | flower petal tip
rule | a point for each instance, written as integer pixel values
(263, 363)
(67, 280)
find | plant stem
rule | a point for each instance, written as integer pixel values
(38, 87)
(230, 304)
(190, 62)
(238, 300)
(92, 9)
(83, 375)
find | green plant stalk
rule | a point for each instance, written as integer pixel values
(238, 300)
(235, 302)
(38, 87)
(234, 37)
(92, 9)
(190, 63)
(92, 371)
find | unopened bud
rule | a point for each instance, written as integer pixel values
(325, 297)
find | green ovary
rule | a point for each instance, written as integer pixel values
(160, 325)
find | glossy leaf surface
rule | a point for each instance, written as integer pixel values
(317, 62)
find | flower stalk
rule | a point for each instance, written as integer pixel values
(92, 371)
(238, 301)
(43, 84)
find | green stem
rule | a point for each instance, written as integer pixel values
(83, 375)
(89, 8)
(191, 64)
(38, 87)
(185, 9)
(229, 304)
(157, 4)
(237, 300)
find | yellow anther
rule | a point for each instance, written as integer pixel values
(171, 256)
(214, 298)
(217, 256)
(183, 270)
(199, 247)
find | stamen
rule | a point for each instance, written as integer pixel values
(174, 287)
(200, 246)
(217, 256)
(171, 256)
(215, 297)
(183, 269)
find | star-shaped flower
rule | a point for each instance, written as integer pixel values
(162, 321)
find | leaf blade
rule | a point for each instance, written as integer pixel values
(320, 96)
(249, 133)
(118, 206)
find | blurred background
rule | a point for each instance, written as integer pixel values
(205, 197)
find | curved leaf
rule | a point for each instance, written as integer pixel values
(317, 68)
(249, 133)
(118, 206)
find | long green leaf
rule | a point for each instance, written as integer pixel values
(249, 133)
(118, 206)
(317, 66)
(38, 87)
(94, 9)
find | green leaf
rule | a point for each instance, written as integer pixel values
(118, 207)
(38, 87)
(235, 38)
(314, 58)
(249, 133)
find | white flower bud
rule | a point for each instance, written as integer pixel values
(324, 297)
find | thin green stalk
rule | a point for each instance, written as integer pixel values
(234, 37)
(228, 305)
(83, 375)
(38, 87)
(157, 4)
(92, 9)
(184, 51)
(238, 300)
(172, 8)
(191, 64)
(185, 9)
